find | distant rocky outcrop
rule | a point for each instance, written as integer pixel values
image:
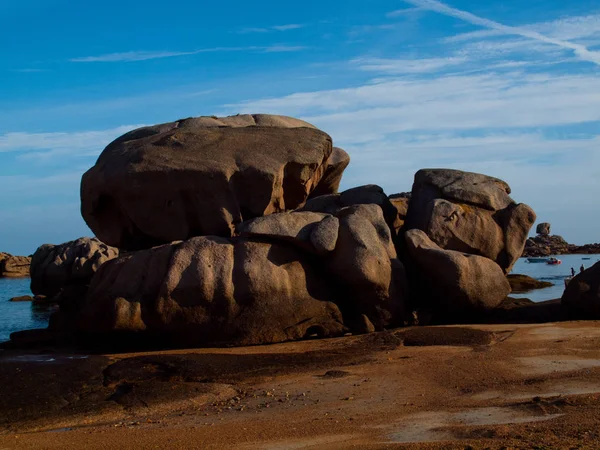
(545, 244)
(14, 266)
(203, 176)
(581, 299)
(543, 229)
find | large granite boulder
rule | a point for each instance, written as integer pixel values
(581, 299)
(453, 282)
(543, 229)
(213, 290)
(14, 266)
(54, 267)
(470, 213)
(203, 176)
(369, 194)
(286, 276)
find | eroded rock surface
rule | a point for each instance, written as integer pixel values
(288, 276)
(470, 213)
(55, 266)
(203, 176)
(14, 266)
(452, 281)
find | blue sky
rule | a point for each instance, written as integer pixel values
(510, 89)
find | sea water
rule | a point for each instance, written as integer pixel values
(555, 274)
(16, 316)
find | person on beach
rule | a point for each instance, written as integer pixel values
(572, 272)
(581, 269)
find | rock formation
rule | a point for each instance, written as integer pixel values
(234, 233)
(470, 213)
(14, 266)
(400, 202)
(581, 299)
(543, 229)
(455, 282)
(546, 245)
(523, 283)
(287, 276)
(54, 267)
(203, 176)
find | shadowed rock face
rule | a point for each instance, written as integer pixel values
(203, 176)
(288, 276)
(453, 281)
(581, 298)
(470, 213)
(53, 267)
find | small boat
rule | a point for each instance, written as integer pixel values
(537, 260)
(554, 261)
(586, 258)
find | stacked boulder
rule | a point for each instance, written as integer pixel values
(203, 176)
(463, 234)
(232, 231)
(265, 248)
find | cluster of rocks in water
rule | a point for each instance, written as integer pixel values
(545, 244)
(231, 230)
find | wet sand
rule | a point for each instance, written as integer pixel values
(483, 386)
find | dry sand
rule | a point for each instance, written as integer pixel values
(485, 386)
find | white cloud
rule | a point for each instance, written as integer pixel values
(567, 28)
(291, 26)
(502, 124)
(147, 55)
(29, 70)
(404, 12)
(130, 56)
(72, 142)
(283, 48)
(580, 50)
(287, 27)
(453, 102)
(400, 66)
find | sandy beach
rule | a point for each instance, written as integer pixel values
(489, 386)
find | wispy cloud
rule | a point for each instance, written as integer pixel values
(291, 26)
(433, 5)
(29, 70)
(568, 28)
(406, 66)
(510, 100)
(71, 142)
(404, 12)
(283, 48)
(287, 27)
(133, 56)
